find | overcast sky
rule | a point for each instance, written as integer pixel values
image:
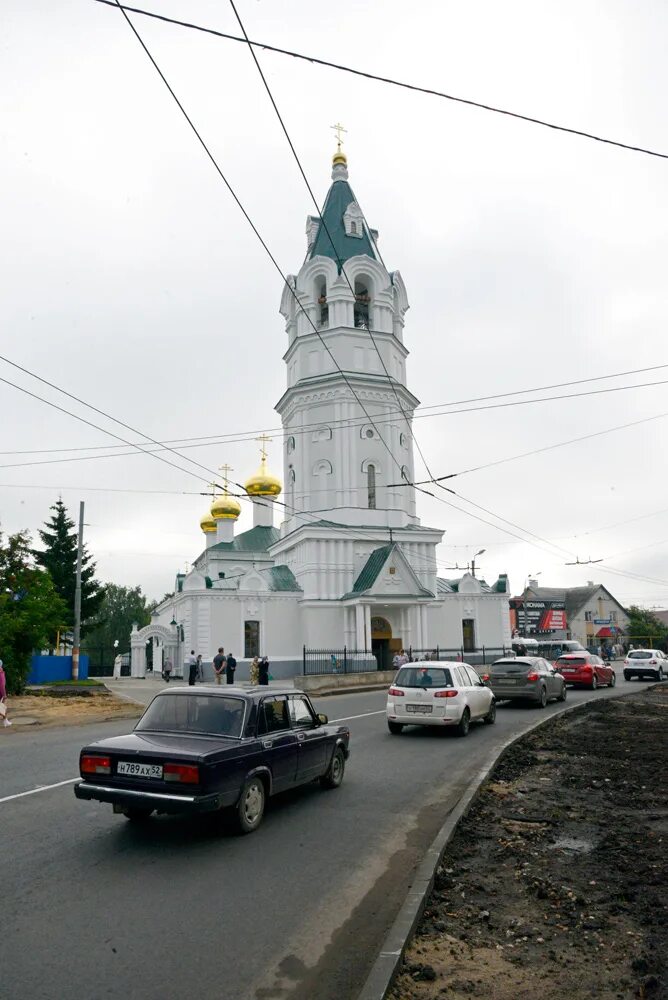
(129, 277)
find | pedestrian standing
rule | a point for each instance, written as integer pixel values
(395, 661)
(263, 671)
(167, 669)
(118, 663)
(219, 662)
(191, 663)
(200, 668)
(3, 696)
(230, 667)
(255, 670)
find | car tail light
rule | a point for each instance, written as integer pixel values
(450, 693)
(95, 764)
(653, 662)
(187, 774)
(396, 693)
(533, 676)
(587, 667)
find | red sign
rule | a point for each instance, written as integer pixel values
(553, 620)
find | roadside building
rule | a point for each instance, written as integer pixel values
(591, 614)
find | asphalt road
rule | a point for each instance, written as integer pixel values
(94, 907)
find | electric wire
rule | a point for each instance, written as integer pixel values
(390, 81)
(277, 266)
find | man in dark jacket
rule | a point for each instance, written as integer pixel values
(230, 667)
(219, 664)
(264, 670)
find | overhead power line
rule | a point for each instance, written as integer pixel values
(315, 60)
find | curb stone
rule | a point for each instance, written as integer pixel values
(385, 968)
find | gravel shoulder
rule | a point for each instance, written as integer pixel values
(556, 882)
(44, 711)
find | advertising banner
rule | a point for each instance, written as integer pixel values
(538, 617)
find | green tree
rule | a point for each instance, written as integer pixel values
(119, 608)
(645, 628)
(30, 608)
(59, 556)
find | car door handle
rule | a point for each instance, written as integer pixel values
(267, 743)
(300, 736)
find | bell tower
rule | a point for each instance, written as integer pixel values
(346, 440)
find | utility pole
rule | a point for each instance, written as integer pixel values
(77, 599)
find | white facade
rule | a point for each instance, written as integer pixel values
(351, 564)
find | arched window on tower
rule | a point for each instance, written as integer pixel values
(371, 486)
(323, 314)
(361, 308)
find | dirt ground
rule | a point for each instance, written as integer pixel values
(556, 883)
(60, 711)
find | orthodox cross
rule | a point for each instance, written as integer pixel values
(263, 439)
(226, 469)
(338, 128)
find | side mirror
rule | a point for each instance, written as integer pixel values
(322, 718)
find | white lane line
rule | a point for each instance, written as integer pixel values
(70, 781)
(349, 718)
(41, 788)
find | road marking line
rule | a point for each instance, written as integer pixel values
(70, 781)
(41, 788)
(349, 718)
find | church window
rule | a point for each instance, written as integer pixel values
(361, 307)
(290, 444)
(322, 434)
(251, 639)
(353, 228)
(403, 440)
(371, 486)
(368, 432)
(405, 474)
(292, 476)
(323, 314)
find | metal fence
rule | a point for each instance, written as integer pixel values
(356, 661)
(338, 661)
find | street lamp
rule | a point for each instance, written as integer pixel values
(481, 552)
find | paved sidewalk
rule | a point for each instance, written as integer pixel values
(142, 690)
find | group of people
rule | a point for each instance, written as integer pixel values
(400, 658)
(224, 665)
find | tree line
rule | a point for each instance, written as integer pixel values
(37, 586)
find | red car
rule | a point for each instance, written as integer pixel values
(586, 670)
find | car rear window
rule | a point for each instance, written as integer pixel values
(572, 661)
(639, 654)
(197, 713)
(509, 667)
(412, 677)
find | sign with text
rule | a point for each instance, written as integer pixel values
(538, 617)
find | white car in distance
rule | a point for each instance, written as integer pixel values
(431, 693)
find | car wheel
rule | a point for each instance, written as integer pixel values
(594, 682)
(334, 775)
(659, 675)
(562, 696)
(613, 679)
(250, 807)
(137, 815)
(627, 675)
(464, 723)
(490, 718)
(542, 701)
(395, 727)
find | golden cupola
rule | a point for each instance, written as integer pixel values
(263, 483)
(208, 524)
(225, 508)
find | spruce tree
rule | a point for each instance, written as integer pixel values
(59, 557)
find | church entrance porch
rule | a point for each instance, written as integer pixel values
(383, 645)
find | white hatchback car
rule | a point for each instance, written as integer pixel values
(431, 693)
(645, 663)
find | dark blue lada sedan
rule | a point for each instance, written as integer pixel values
(209, 749)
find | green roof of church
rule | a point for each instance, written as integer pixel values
(371, 569)
(257, 539)
(280, 578)
(344, 247)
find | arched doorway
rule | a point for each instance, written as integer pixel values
(165, 643)
(381, 636)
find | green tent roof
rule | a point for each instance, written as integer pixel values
(339, 197)
(256, 540)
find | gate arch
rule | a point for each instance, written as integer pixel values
(167, 641)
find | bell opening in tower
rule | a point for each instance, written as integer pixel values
(361, 309)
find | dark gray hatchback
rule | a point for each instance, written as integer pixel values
(526, 678)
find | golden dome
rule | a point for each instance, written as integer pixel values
(207, 524)
(225, 507)
(339, 157)
(263, 484)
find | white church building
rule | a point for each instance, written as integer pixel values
(337, 557)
